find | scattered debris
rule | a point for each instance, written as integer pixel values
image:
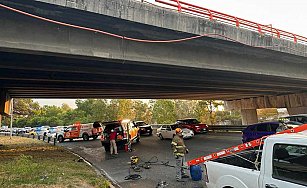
(162, 184)
(44, 177)
(80, 160)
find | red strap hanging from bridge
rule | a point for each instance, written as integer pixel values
(241, 147)
(179, 6)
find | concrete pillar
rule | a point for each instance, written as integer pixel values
(297, 110)
(249, 116)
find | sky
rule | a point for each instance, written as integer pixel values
(286, 15)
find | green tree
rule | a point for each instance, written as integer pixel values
(25, 107)
(125, 109)
(142, 111)
(113, 108)
(267, 114)
(164, 111)
(206, 110)
(100, 109)
(185, 108)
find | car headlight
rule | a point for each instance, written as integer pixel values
(197, 126)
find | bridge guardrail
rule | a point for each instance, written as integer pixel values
(226, 128)
(214, 128)
(232, 20)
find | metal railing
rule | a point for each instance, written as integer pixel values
(232, 20)
(226, 128)
(51, 140)
(214, 128)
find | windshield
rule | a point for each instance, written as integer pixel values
(188, 121)
(140, 123)
(108, 127)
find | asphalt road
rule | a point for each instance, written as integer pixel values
(151, 146)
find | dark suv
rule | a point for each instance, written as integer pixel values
(145, 129)
(258, 130)
(122, 129)
(192, 124)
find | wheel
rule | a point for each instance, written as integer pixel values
(161, 137)
(193, 131)
(85, 137)
(107, 148)
(138, 138)
(60, 138)
(95, 137)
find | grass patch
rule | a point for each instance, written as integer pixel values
(25, 162)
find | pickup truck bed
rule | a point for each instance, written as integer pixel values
(242, 161)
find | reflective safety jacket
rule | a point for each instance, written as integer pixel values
(178, 146)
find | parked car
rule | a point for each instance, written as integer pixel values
(193, 124)
(28, 129)
(145, 129)
(32, 132)
(53, 131)
(42, 130)
(168, 132)
(3, 129)
(127, 132)
(282, 163)
(21, 131)
(300, 118)
(259, 130)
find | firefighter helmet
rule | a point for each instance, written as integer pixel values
(178, 130)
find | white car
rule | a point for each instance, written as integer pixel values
(53, 131)
(168, 131)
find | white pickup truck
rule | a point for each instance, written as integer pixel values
(281, 164)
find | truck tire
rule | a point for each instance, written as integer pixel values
(138, 138)
(107, 148)
(85, 137)
(161, 137)
(95, 137)
(60, 138)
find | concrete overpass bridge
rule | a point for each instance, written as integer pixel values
(130, 49)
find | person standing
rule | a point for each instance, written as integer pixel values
(113, 147)
(179, 150)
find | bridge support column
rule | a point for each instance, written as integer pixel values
(5, 103)
(297, 110)
(249, 116)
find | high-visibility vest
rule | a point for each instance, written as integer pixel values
(178, 146)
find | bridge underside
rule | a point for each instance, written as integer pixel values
(52, 76)
(45, 60)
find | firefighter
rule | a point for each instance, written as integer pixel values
(179, 150)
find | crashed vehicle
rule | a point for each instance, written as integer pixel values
(127, 133)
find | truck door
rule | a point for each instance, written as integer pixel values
(74, 133)
(169, 132)
(133, 130)
(287, 167)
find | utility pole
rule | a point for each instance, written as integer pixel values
(12, 108)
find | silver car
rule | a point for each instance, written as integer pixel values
(168, 132)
